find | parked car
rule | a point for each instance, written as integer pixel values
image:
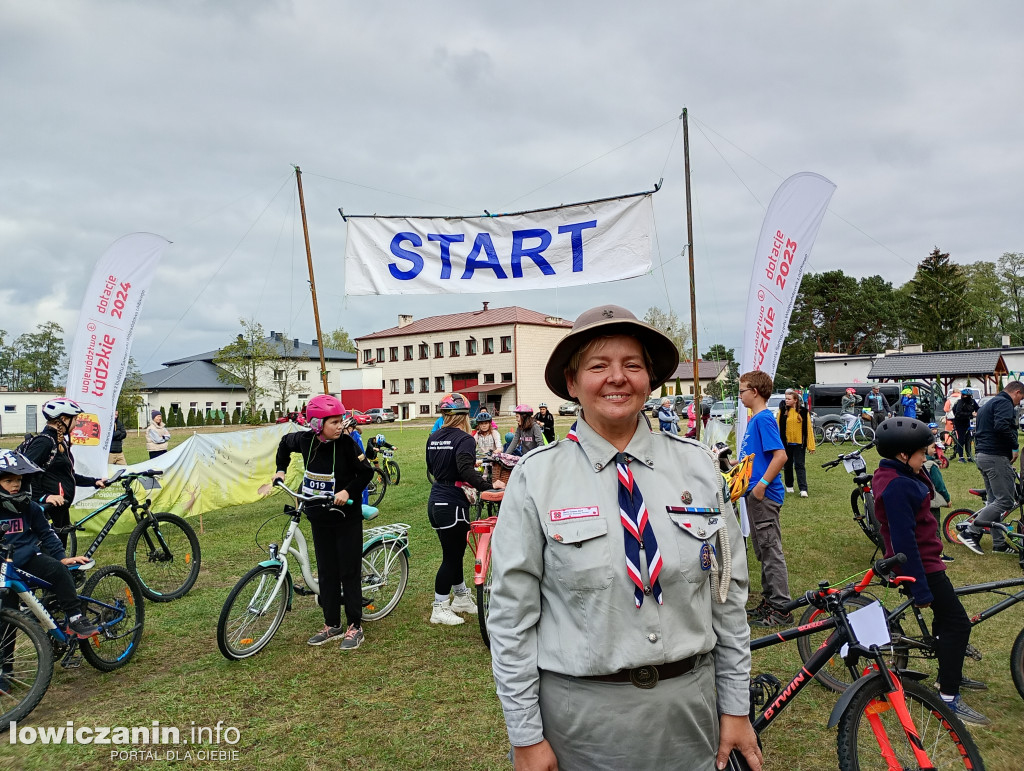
(724, 411)
(775, 401)
(381, 415)
(361, 418)
(568, 408)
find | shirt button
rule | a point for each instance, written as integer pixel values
(597, 466)
(647, 590)
(652, 637)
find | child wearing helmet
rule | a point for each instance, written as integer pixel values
(374, 443)
(849, 409)
(529, 435)
(903, 500)
(53, 486)
(33, 546)
(908, 402)
(335, 464)
(487, 437)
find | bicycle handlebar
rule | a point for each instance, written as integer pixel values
(881, 568)
(321, 498)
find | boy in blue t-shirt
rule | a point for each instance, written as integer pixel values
(764, 497)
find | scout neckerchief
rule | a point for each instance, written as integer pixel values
(637, 526)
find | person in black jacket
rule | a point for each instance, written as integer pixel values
(996, 449)
(55, 484)
(546, 421)
(116, 451)
(963, 411)
(333, 464)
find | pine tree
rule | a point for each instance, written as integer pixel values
(163, 414)
(191, 419)
(263, 416)
(937, 310)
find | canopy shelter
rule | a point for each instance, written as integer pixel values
(984, 366)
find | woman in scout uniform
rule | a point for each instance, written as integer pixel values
(615, 614)
(333, 464)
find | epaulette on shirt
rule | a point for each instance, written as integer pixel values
(691, 442)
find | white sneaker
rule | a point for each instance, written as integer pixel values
(789, 489)
(442, 614)
(463, 603)
(803, 493)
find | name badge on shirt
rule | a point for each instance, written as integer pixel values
(317, 484)
(578, 512)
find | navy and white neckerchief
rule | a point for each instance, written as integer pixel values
(637, 527)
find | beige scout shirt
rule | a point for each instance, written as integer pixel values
(561, 599)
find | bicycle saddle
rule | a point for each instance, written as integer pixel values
(90, 564)
(493, 496)
(863, 479)
(980, 493)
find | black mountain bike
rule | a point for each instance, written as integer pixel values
(862, 500)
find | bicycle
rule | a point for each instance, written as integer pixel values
(255, 607)
(858, 433)
(919, 643)
(163, 550)
(29, 639)
(862, 500)
(957, 520)
(377, 486)
(391, 467)
(884, 718)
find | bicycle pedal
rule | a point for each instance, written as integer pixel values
(303, 591)
(72, 660)
(973, 652)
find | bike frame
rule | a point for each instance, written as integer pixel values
(123, 502)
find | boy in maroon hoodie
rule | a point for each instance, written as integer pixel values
(903, 495)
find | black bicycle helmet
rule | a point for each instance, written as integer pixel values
(483, 417)
(13, 463)
(906, 435)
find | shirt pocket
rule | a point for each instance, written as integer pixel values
(579, 555)
(691, 534)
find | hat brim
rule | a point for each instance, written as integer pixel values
(658, 345)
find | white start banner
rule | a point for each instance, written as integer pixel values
(573, 245)
(99, 354)
(790, 226)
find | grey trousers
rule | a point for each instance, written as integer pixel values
(767, 536)
(593, 726)
(1000, 485)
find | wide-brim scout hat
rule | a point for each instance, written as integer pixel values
(604, 321)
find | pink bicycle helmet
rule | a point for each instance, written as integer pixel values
(851, 390)
(320, 408)
(523, 409)
(454, 404)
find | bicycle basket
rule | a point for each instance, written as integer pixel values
(502, 467)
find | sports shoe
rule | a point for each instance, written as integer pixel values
(789, 489)
(971, 541)
(326, 634)
(967, 684)
(946, 558)
(965, 713)
(773, 617)
(1004, 548)
(462, 603)
(758, 610)
(82, 629)
(803, 493)
(353, 638)
(442, 614)
(962, 460)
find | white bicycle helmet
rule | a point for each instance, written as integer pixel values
(379, 439)
(57, 407)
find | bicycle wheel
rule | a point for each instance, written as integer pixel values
(870, 720)
(819, 435)
(72, 548)
(483, 603)
(26, 666)
(1017, 663)
(164, 558)
(863, 436)
(394, 472)
(835, 434)
(955, 518)
(121, 617)
(377, 487)
(244, 627)
(385, 575)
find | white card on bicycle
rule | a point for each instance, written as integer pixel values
(854, 464)
(870, 626)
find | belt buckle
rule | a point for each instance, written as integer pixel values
(644, 677)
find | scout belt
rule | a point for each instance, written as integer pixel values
(648, 676)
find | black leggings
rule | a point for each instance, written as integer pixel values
(453, 550)
(952, 630)
(339, 559)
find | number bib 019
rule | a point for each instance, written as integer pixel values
(317, 484)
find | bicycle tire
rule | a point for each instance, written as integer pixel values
(483, 603)
(819, 435)
(377, 487)
(71, 549)
(118, 642)
(1017, 663)
(837, 435)
(29, 666)
(238, 636)
(863, 436)
(942, 734)
(379, 584)
(166, 563)
(951, 520)
(394, 471)
(864, 518)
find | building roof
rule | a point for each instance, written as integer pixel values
(985, 361)
(707, 370)
(188, 376)
(292, 349)
(486, 317)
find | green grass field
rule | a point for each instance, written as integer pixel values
(421, 696)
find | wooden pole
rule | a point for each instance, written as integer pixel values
(693, 289)
(312, 283)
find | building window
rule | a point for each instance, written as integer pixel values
(438, 350)
(175, 406)
(506, 344)
(471, 347)
(454, 348)
(408, 385)
(278, 375)
(380, 354)
(10, 408)
(424, 409)
(424, 385)
(301, 375)
(506, 377)
(408, 353)
(193, 405)
(278, 407)
(367, 355)
(393, 351)
(439, 383)
(424, 350)
(489, 378)
(394, 386)
(488, 345)
(209, 405)
(223, 405)
(303, 396)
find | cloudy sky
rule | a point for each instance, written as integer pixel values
(185, 118)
